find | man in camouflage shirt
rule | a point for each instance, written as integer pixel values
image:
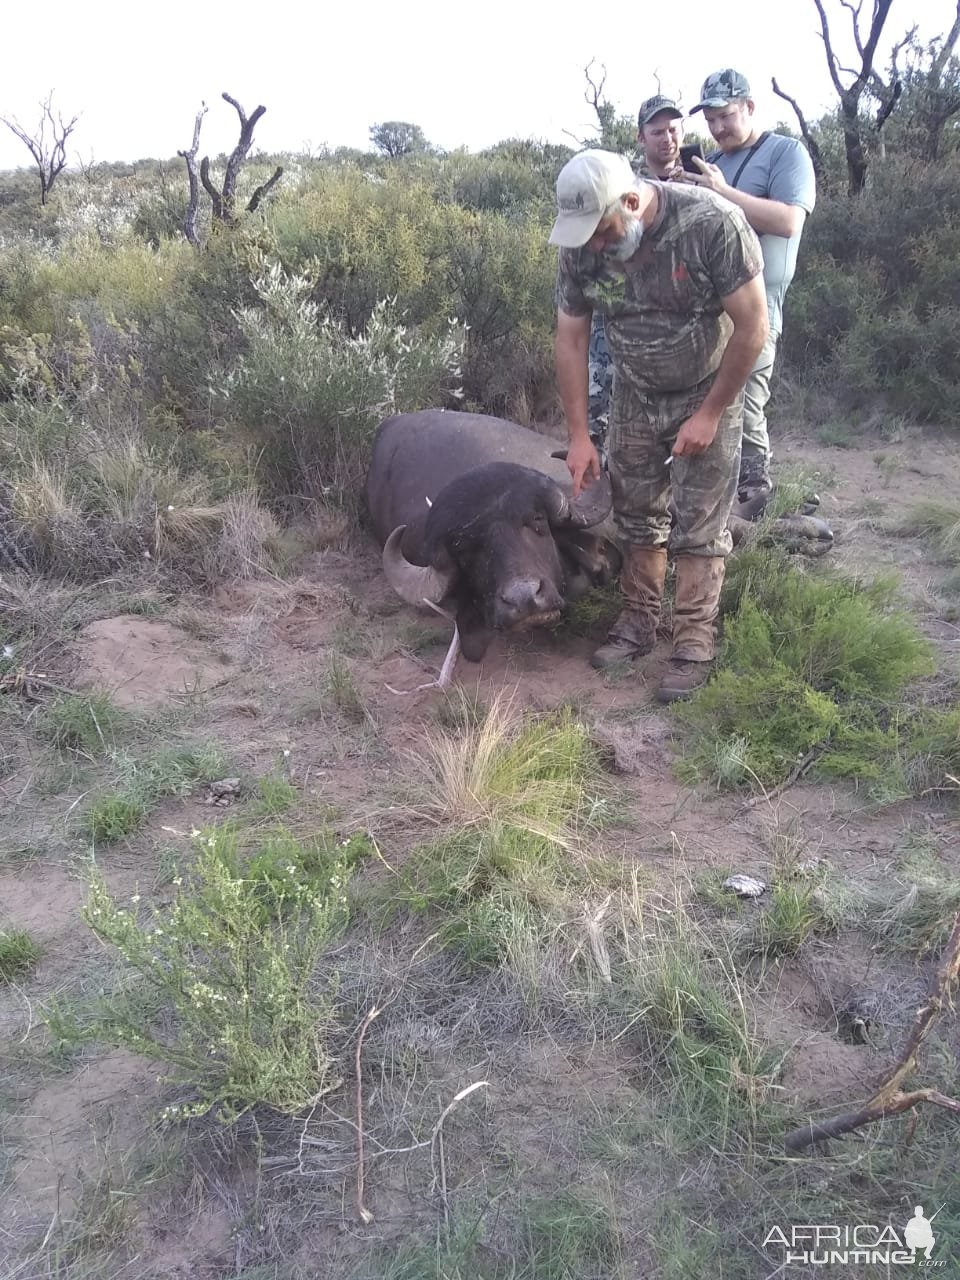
(677, 273)
(659, 134)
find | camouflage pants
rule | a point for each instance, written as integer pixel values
(600, 381)
(756, 393)
(700, 488)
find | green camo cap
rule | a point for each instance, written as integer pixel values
(653, 106)
(722, 88)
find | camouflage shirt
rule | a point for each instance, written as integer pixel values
(666, 327)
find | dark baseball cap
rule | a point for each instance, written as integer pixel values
(653, 106)
(722, 88)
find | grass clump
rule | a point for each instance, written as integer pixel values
(534, 775)
(276, 796)
(225, 974)
(515, 797)
(19, 954)
(807, 661)
(937, 523)
(84, 724)
(341, 691)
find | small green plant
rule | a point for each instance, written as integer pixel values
(112, 817)
(797, 910)
(341, 690)
(19, 954)
(276, 796)
(837, 433)
(82, 723)
(226, 972)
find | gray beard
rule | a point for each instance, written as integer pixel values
(630, 243)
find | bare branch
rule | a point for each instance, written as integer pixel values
(889, 1099)
(946, 49)
(190, 158)
(264, 189)
(210, 189)
(816, 156)
(831, 56)
(854, 11)
(237, 156)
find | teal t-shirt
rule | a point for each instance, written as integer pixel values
(779, 169)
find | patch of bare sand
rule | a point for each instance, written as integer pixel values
(143, 662)
(71, 1125)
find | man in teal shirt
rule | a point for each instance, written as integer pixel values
(770, 177)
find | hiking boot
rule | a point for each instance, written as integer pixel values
(634, 633)
(699, 579)
(682, 679)
(754, 482)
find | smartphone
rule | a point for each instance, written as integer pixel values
(686, 157)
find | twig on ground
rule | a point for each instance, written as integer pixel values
(436, 1144)
(890, 1099)
(800, 770)
(366, 1217)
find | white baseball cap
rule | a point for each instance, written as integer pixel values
(587, 185)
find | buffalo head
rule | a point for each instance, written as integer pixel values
(508, 545)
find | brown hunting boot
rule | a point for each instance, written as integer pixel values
(699, 579)
(635, 632)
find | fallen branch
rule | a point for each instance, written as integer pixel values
(436, 1144)
(890, 1099)
(800, 770)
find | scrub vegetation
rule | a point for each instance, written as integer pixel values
(306, 971)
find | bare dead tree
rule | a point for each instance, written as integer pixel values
(224, 200)
(934, 90)
(863, 78)
(890, 1098)
(816, 155)
(617, 133)
(190, 158)
(47, 144)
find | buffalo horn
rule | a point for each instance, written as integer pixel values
(413, 583)
(591, 506)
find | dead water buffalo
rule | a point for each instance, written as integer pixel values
(477, 512)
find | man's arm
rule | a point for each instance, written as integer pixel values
(747, 308)
(572, 350)
(765, 215)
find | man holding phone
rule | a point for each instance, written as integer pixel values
(677, 276)
(770, 177)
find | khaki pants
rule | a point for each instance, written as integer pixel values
(756, 394)
(701, 488)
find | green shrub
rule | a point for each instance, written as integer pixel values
(227, 973)
(807, 662)
(317, 394)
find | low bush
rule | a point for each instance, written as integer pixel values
(810, 662)
(220, 983)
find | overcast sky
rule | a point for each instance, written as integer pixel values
(468, 74)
